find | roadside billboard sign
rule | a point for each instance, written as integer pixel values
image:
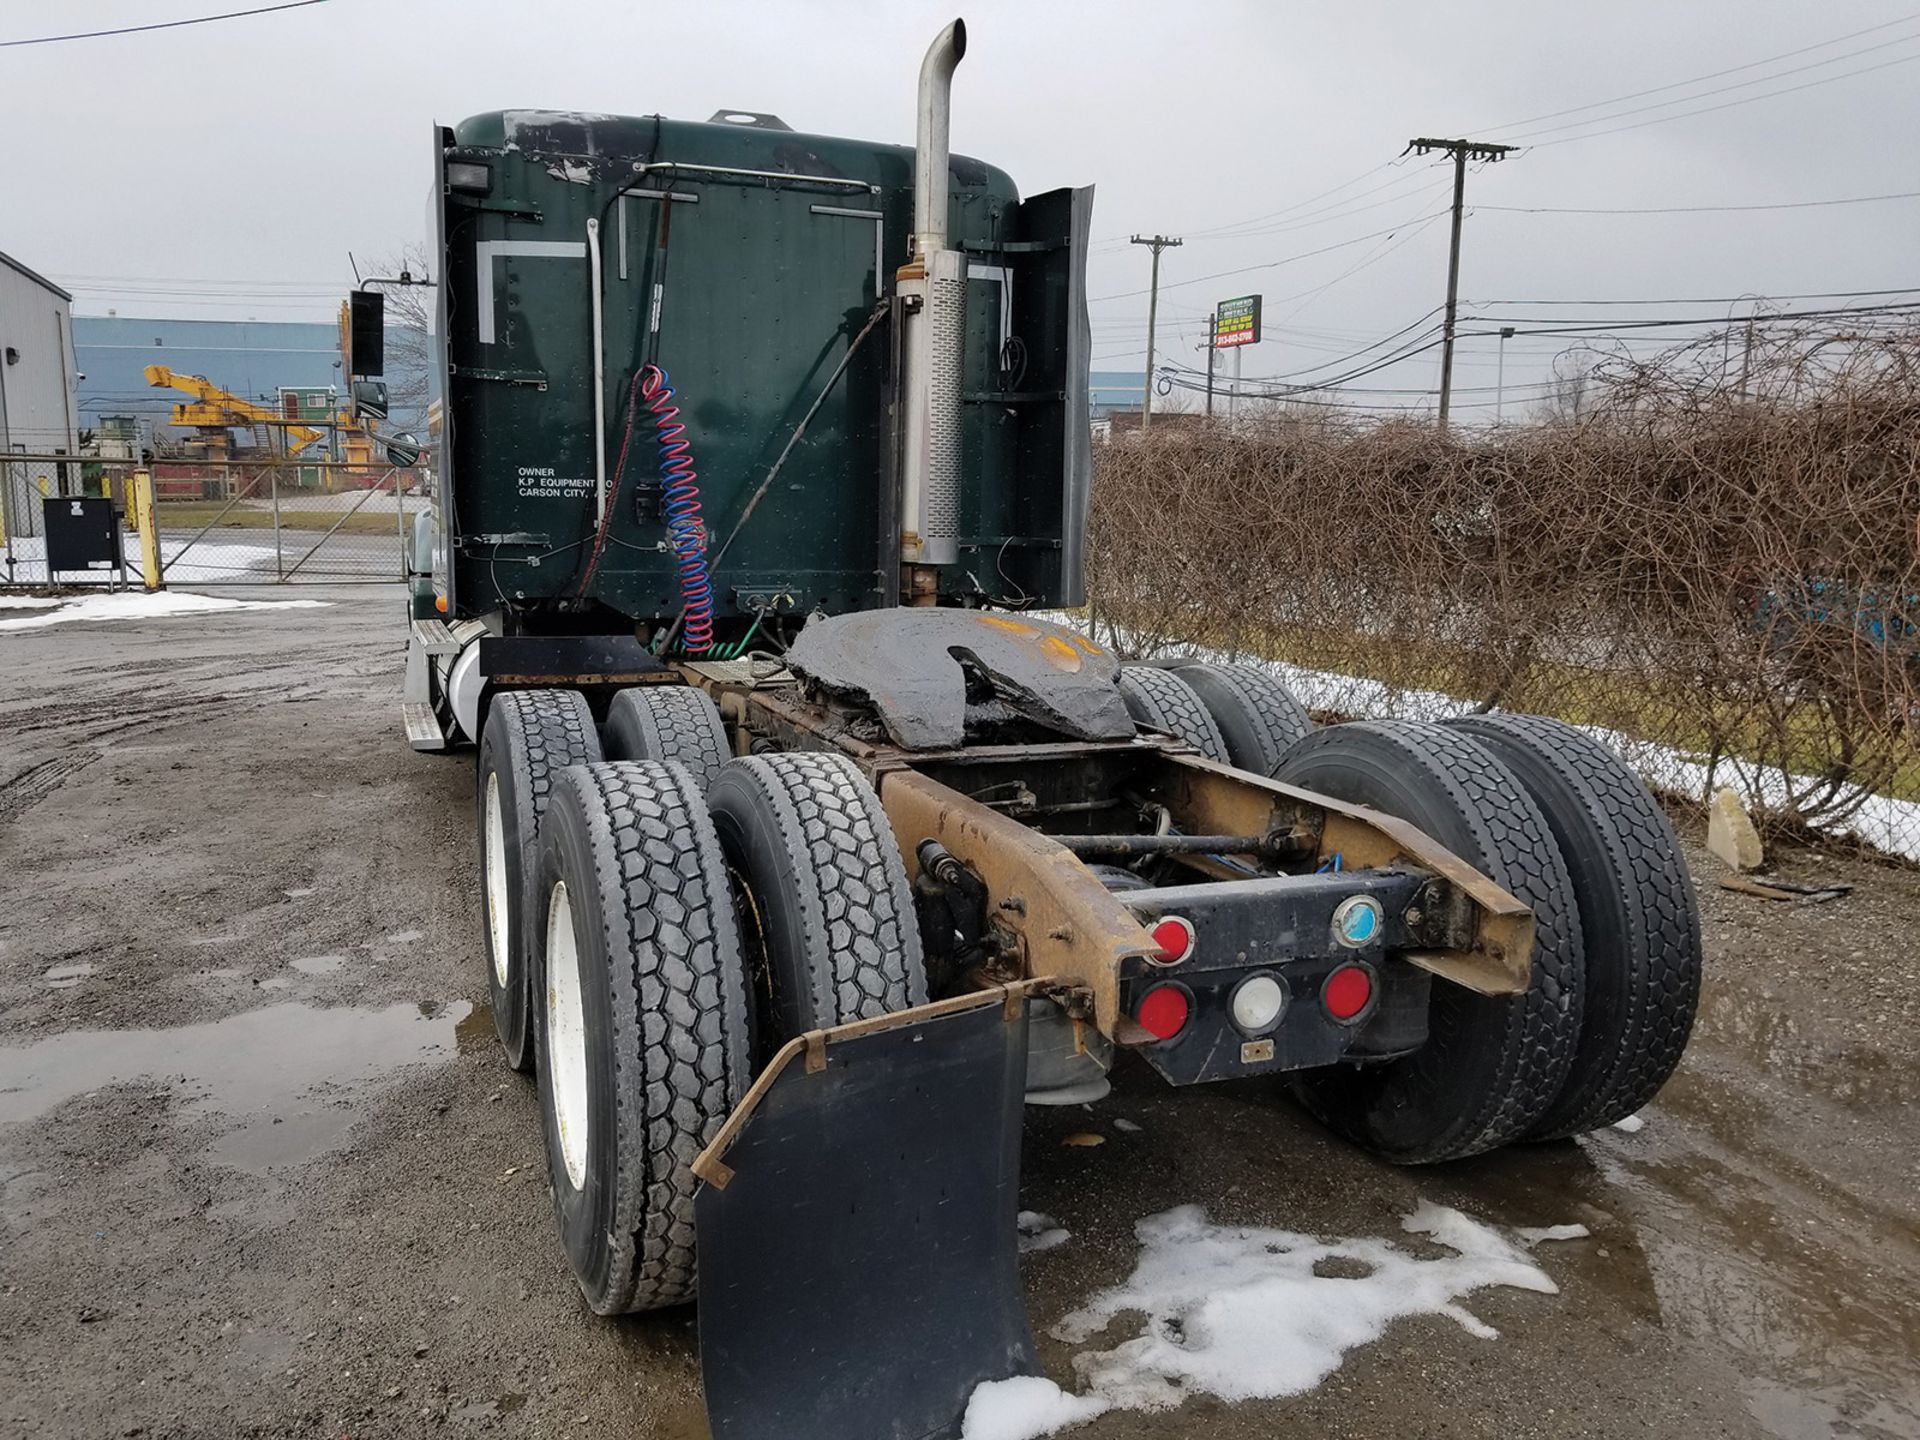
(1237, 322)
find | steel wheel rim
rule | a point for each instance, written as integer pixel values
(566, 1037)
(496, 857)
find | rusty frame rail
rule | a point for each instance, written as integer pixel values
(1068, 928)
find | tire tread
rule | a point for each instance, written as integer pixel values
(679, 1050)
(831, 823)
(1622, 1066)
(1540, 1029)
(1161, 699)
(1274, 719)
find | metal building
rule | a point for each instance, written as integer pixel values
(36, 393)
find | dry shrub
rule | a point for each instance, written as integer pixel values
(1720, 557)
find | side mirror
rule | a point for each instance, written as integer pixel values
(370, 399)
(403, 451)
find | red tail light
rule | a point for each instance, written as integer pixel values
(1347, 991)
(1174, 939)
(1164, 1011)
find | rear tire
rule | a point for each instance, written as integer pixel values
(642, 1024)
(669, 723)
(830, 928)
(529, 737)
(1161, 700)
(1257, 716)
(1638, 915)
(1492, 1065)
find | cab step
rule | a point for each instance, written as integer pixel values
(433, 637)
(423, 726)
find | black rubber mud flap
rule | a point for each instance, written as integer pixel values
(859, 1270)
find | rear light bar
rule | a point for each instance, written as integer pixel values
(1348, 992)
(1173, 939)
(1164, 1010)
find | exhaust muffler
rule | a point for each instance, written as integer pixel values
(933, 290)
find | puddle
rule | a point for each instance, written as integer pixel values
(490, 1409)
(1719, 1226)
(399, 937)
(319, 964)
(1245, 1312)
(65, 977)
(476, 1031)
(286, 1073)
(1773, 1038)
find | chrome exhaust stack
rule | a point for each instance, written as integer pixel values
(933, 292)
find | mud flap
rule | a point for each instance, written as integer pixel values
(859, 1266)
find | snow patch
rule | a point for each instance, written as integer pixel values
(1532, 1235)
(139, 605)
(1025, 1406)
(574, 172)
(23, 560)
(1246, 1312)
(1040, 1232)
(1887, 823)
(1631, 1125)
(25, 602)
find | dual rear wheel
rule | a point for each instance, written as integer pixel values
(1555, 818)
(1559, 821)
(691, 917)
(658, 924)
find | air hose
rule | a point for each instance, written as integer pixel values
(680, 503)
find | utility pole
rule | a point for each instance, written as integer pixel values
(1156, 243)
(1462, 151)
(1213, 348)
(1500, 377)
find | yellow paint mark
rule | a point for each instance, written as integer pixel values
(1012, 627)
(1060, 653)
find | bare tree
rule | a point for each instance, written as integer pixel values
(1571, 389)
(410, 311)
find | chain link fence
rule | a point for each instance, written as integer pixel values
(226, 522)
(1718, 571)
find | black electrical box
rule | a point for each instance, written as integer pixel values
(367, 332)
(81, 534)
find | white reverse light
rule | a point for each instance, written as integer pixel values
(1257, 1003)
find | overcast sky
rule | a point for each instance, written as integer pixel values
(227, 169)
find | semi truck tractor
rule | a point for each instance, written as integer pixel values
(810, 852)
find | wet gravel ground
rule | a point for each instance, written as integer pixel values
(263, 1173)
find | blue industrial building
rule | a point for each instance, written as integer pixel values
(249, 358)
(1111, 390)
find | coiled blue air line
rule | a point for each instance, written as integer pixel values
(680, 502)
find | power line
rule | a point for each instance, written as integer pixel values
(1380, 252)
(1418, 320)
(1697, 79)
(1604, 327)
(1104, 240)
(1269, 264)
(1726, 104)
(1722, 299)
(1693, 209)
(160, 25)
(1718, 90)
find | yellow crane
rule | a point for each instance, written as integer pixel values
(215, 410)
